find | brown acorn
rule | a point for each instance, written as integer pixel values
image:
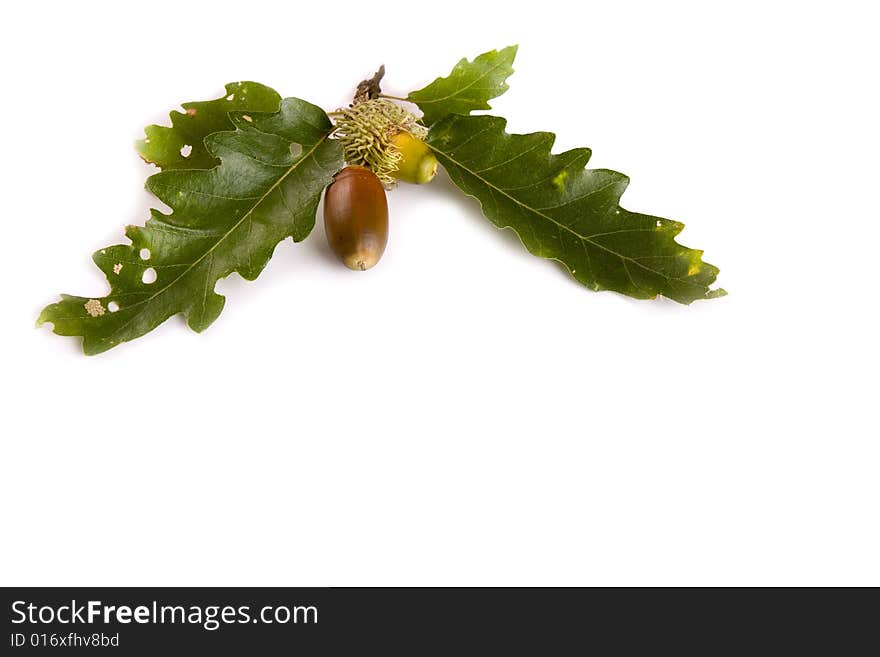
(356, 217)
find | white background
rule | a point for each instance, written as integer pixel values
(464, 413)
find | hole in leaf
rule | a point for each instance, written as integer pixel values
(112, 306)
(149, 276)
(185, 150)
(230, 97)
(145, 254)
(247, 118)
(296, 149)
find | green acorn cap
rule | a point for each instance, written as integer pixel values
(366, 131)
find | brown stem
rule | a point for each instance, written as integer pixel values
(369, 89)
(406, 100)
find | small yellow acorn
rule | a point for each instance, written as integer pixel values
(417, 163)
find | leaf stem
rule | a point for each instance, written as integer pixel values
(389, 97)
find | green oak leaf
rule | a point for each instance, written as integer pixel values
(468, 87)
(273, 168)
(562, 211)
(182, 146)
